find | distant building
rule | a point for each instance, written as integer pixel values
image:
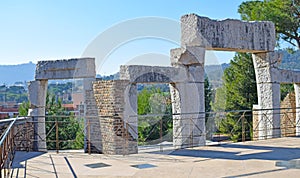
(9, 110)
(77, 99)
(76, 106)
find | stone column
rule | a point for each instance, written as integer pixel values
(188, 103)
(92, 134)
(268, 92)
(37, 97)
(119, 136)
(297, 98)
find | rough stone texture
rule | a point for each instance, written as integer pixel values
(187, 56)
(152, 74)
(111, 102)
(268, 95)
(37, 97)
(188, 114)
(66, 69)
(188, 104)
(227, 35)
(24, 135)
(288, 115)
(297, 100)
(92, 122)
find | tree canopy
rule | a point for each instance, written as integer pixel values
(241, 93)
(284, 13)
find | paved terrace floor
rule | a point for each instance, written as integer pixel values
(267, 158)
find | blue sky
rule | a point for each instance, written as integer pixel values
(46, 30)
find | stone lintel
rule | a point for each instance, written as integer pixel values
(288, 76)
(66, 69)
(152, 74)
(227, 35)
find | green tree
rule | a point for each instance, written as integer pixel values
(69, 128)
(241, 94)
(156, 103)
(208, 95)
(23, 108)
(284, 13)
(219, 100)
(285, 89)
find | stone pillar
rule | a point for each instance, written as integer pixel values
(92, 134)
(119, 136)
(297, 98)
(37, 97)
(268, 92)
(188, 103)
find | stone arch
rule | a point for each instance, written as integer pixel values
(259, 39)
(83, 68)
(186, 94)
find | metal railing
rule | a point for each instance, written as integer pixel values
(221, 127)
(7, 144)
(160, 133)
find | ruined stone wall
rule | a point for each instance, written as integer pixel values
(288, 115)
(110, 100)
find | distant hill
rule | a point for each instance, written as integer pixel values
(290, 61)
(215, 73)
(9, 74)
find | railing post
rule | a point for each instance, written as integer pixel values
(192, 135)
(160, 134)
(1, 160)
(123, 137)
(57, 141)
(27, 135)
(243, 128)
(127, 138)
(89, 137)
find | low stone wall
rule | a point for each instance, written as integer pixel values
(110, 100)
(288, 116)
(24, 136)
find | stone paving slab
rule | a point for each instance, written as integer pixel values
(264, 158)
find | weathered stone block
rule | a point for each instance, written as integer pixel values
(227, 35)
(152, 74)
(187, 56)
(66, 69)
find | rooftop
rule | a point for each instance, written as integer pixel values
(266, 158)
